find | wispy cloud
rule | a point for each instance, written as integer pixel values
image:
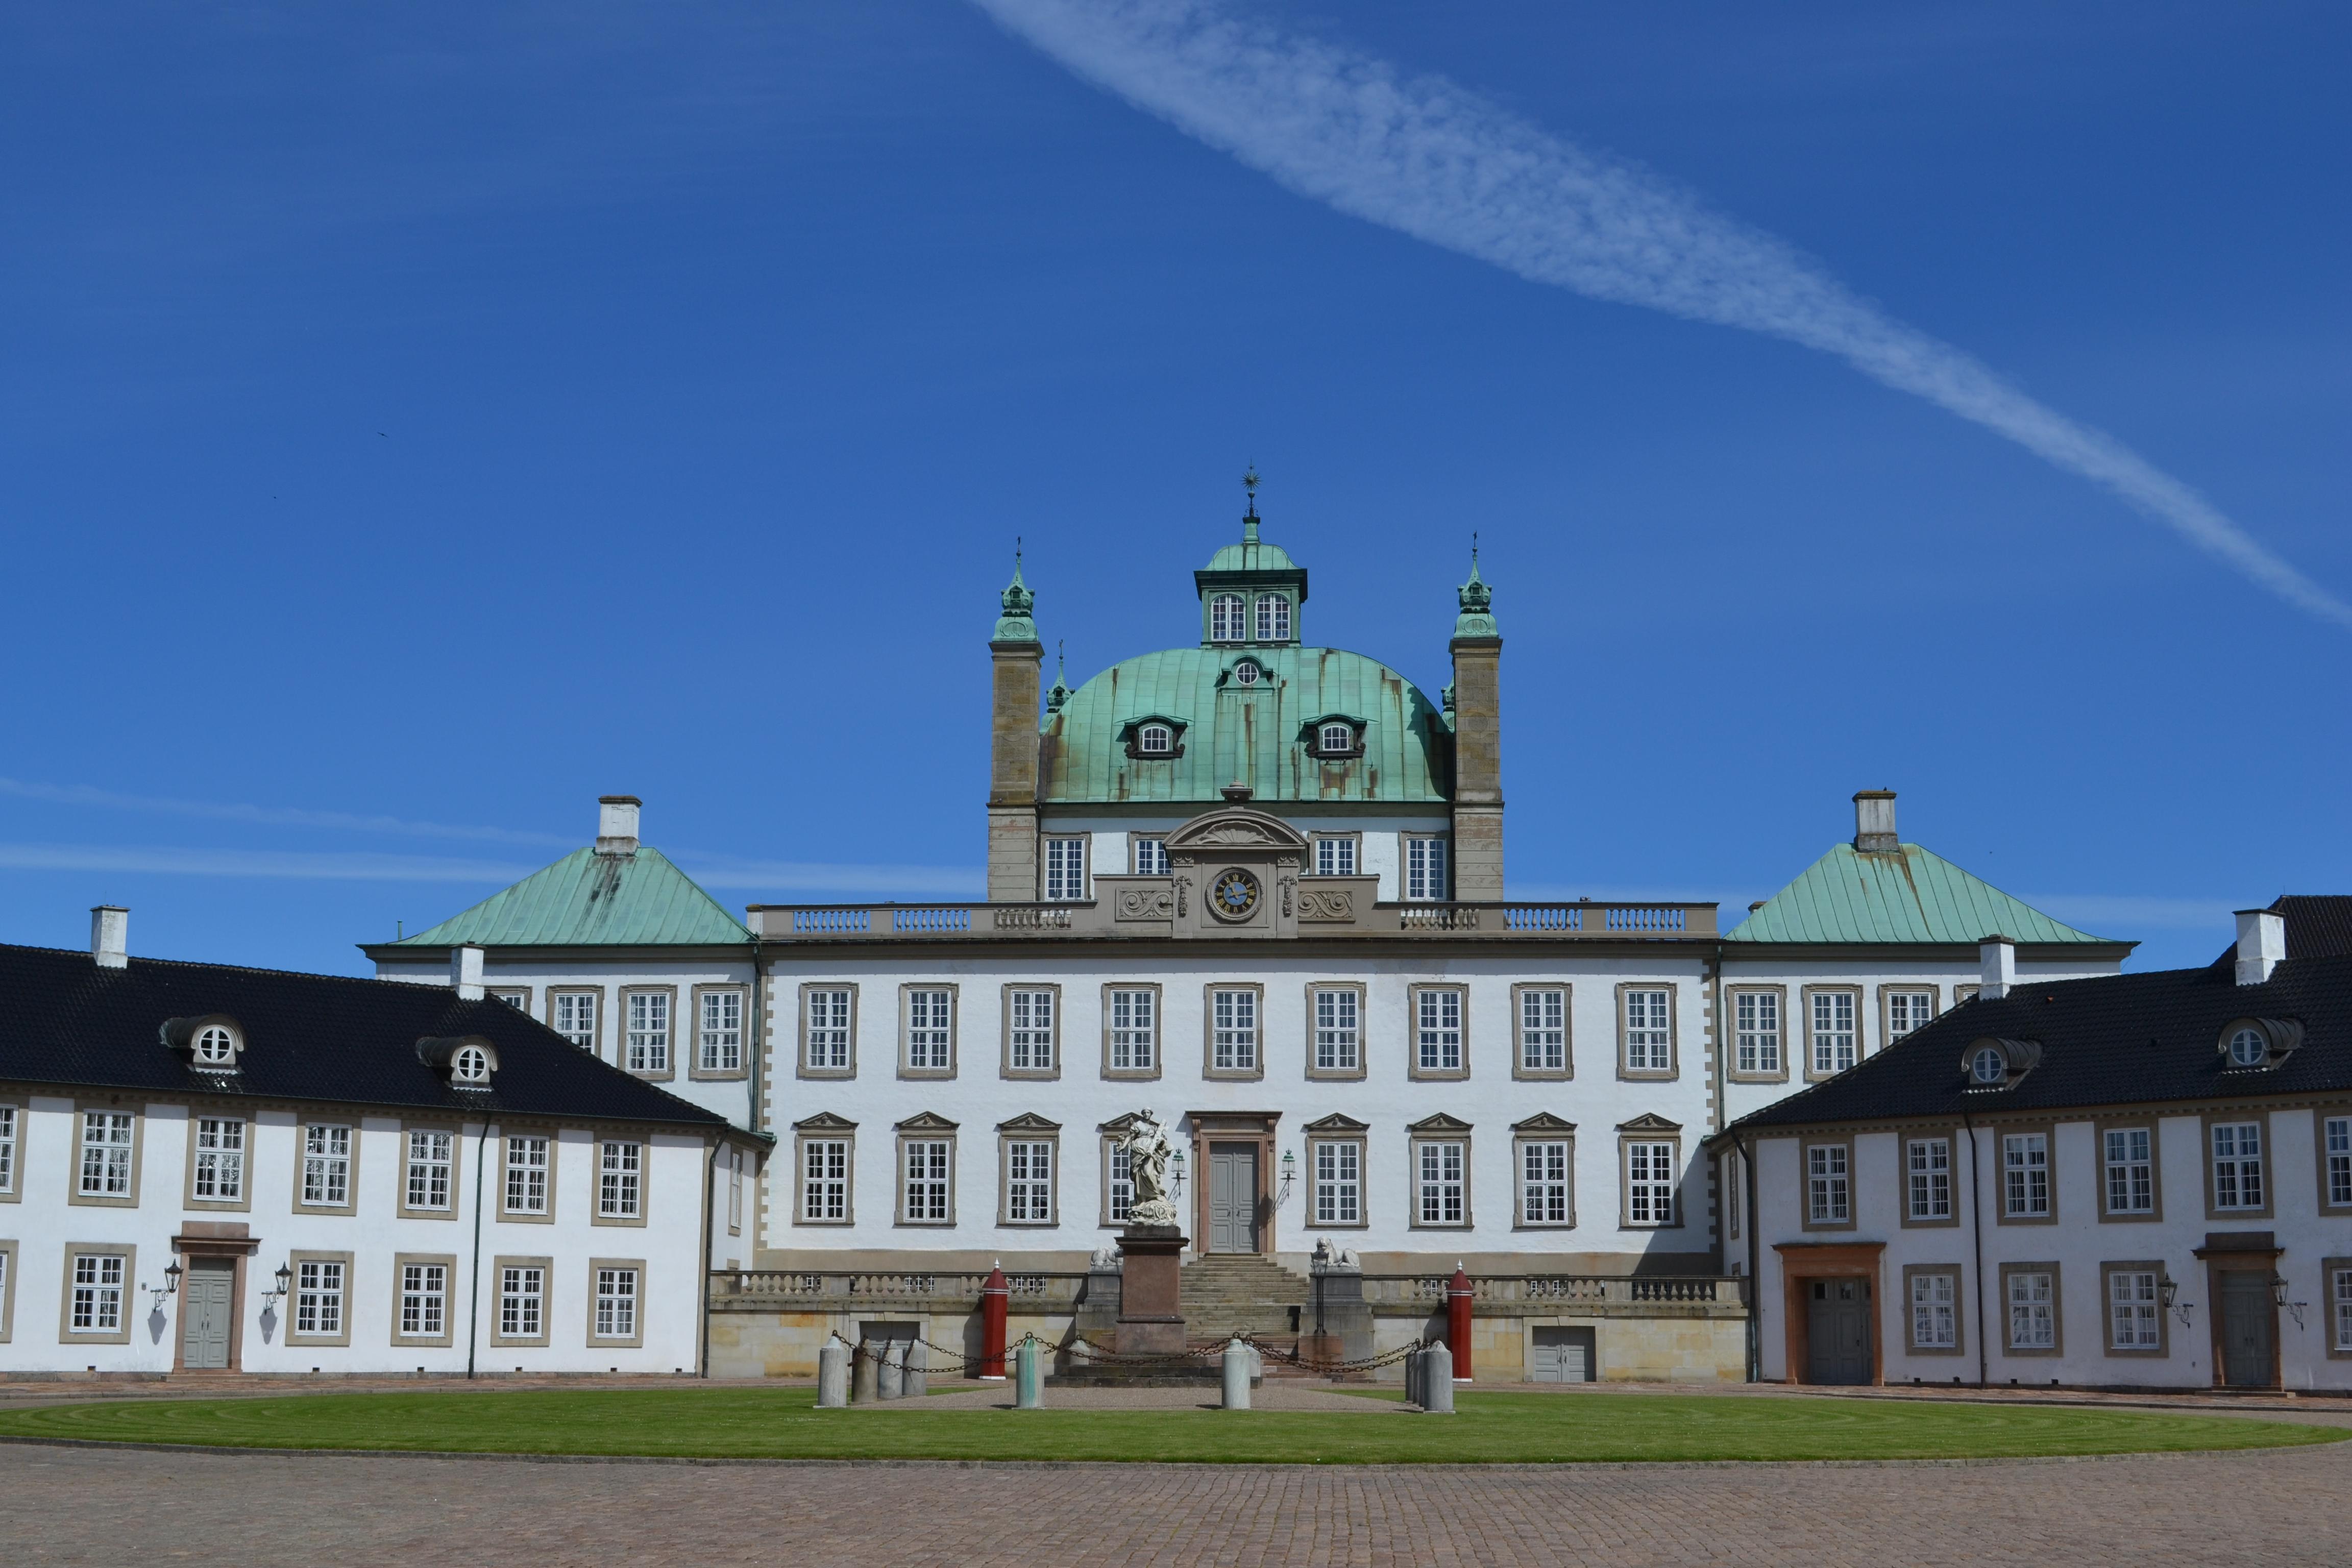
(809, 876)
(2120, 914)
(1431, 159)
(285, 863)
(266, 815)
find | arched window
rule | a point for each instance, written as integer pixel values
(2249, 1048)
(214, 1045)
(1155, 740)
(470, 1064)
(1988, 1066)
(1227, 618)
(1273, 618)
(1336, 741)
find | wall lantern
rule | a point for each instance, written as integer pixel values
(2166, 1290)
(1176, 1163)
(285, 1278)
(1289, 1169)
(2278, 1298)
(171, 1285)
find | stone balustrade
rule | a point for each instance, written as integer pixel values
(1143, 907)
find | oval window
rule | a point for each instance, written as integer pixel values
(1158, 740)
(2248, 1048)
(215, 1045)
(1988, 1066)
(1245, 674)
(1336, 740)
(471, 1065)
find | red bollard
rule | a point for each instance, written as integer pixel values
(993, 1295)
(1457, 1322)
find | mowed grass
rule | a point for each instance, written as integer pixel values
(1490, 1428)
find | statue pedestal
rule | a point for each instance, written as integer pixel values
(1150, 1306)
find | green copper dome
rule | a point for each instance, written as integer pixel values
(1251, 554)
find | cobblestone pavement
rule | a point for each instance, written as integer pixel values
(93, 1506)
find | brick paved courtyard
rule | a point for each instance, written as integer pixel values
(86, 1505)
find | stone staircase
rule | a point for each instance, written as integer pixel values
(1229, 1294)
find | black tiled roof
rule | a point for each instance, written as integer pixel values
(319, 1037)
(2117, 1039)
(2318, 925)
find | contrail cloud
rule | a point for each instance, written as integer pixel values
(1437, 161)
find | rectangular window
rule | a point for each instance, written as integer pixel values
(719, 1034)
(824, 1179)
(8, 1148)
(2025, 1175)
(1650, 1184)
(575, 1016)
(2032, 1310)
(326, 1167)
(1028, 1182)
(735, 1191)
(519, 1000)
(1928, 1167)
(1735, 1179)
(1424, 869)
(1338, 1030)
(2133, 1310)
(1234, 1031)
(1908, 1010)
(1029, 1037)
(931, 1022)
(2130, 1169)
(1543, 1182)
(2238, 1166)
(1066, 871)
(1437, 1029)
(925, 1201)
(649, 1042)
(1543, 1029)
(824, 1028)
(219, 1176)
(429, 1156)
(1339, 1183)
(1121, 1179)
(2340, 1300)
(423, 1300)
(106, 1147)
(319, 1297)
(1441, 1184)
(1833, 1036)
(621, 1180)
(2336, 1135)
(1935, 1313)
(1273, 618)
(1649, 1041)
(1335, 856)
(616, 1303)
(1150, 856)
(527, 1175)
(1829, 1188)
(1134, 1031)
(1756, 1016)
(522, 1301)
(97, 1292)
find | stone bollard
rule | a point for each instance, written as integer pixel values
(1412, 1377)
(1029, 1388)
(1437, 1380)
(833, 1375)
(912, 1383)
(861, 1375)
(1237, 1375)
(889, 1370)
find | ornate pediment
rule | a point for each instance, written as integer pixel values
(1237, 827)
(1440, 1122)
(1649, 1122)
(1338, 1122)
(1028, 1122)
(926, 1122)
(1543, 1122)
(824, 1121)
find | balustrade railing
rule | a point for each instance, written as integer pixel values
(1361, 917)
(1431, 1292)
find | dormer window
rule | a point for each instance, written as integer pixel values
(1988, 1067)
(1246, 673)
(470, 1064)
(1992, 1063)
(2249, 1044)
(1273, 618)
(464, 1061)
(1333, 735)
(216, 1047)
(1335, 738)
(211, 1044)
(1155, 740)
(1228, 619)
(1153, 737)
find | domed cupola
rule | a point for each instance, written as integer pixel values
(1251, 592)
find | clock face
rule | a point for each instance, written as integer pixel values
(1233, 894)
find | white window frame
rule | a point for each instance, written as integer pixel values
(2339, 1309)
(1829, 1184)
(522, 1301)
(110, 1149)
(423, 1300)
(1335, 739)
(927, 1179)
(2135, 1309)
(647, 1035)
(1029, 1182)
(97, 1292)
(1065, 863)
(530, 1168)
(2238, 1185)
(1936, 1309)
(1546, 1172)
(1032, 1030)
(11, 1128)
(927, 1018)
(829, 1030)
(1155, 740)
(1927, 1180)
(1832, 1030)
(621, 1179)
(1646, 1033)
(1539, 1017)
(1119, 1183)
(1235, 1030)
(1149, 855)
(719, 1030)
(1760, 1030)
(1337, 1014)
(1131, 1030)
(576, 1015)
(219, 1150)
(1425, 870)
(2336, 1162)
(1336, 1167)
(825, 1172)
(1272, 617)
(2025, 1190)
(1441, 1183)
(326, 1164)
(1228, 617)
(1440, 1031)
(1652, 1171)
(428, 1171)
(1908, 1009)
(2128, 1170)
(1335, 855)
(2031, 1297)
(619, 1293)
(322, 1288)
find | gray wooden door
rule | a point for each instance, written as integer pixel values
(1232, 1197)
(206, 1295)
(1563, 1355)
(1837, 1331)
(2249, 1323)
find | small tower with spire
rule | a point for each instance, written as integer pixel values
(1477, 649)
(1253, 593)
(1013, 743)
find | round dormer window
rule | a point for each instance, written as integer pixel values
(2248, 1048)
(1988, 1066)
(470, 1064)
(1155, 740)
(1245, 675)
(215, 1047)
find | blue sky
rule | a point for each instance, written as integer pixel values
(421, 420)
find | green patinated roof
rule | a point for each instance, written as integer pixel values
(1245, 734)
(1251, 554)
(1912, 895)
(587, 900)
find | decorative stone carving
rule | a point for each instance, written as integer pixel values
(1145, 1144)
(1331, 904)
(1145, 903)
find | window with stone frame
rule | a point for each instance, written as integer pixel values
(1652, 1166)
(219, 1173)
(719, 1031)
(95, 1306)
(2025, 1175)
(1339, 1169)
(1441, 1181)
(319, 1288)
(573, 1015)
(1335, 856)
(2237, 1147)
(1134, 1042)
(522, 1301)
(1066, 871)
(1547, 1167)
(1543, 1028)
(2032, 1298)
(929, 1029)
(2127, 1154)
(1756, 1023)
(1834, 1041)
(326, 1166)
(1935, 1311)
(2135, 1311)
(927, 1167)
(432, 1157)
(1927, 1179)
(824, 1181)
(1426, 879)
(1029, 1030)
(826, 1015)
(2335, 1148)
(1233, 1030)
(2339, 1302)
(1647, 1029)
(529, 1156)
(1151, 855)
(423, 1300)
(1438, 1030)
(621, 1179)
(109, 1142)
(1829, 1184)
(1338, 1030)
(8, 1123)
(1119, 1183)
(1028, 1181)
(1908, 1010)
(616, 1303)
(648, 1046)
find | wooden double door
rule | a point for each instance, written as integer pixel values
(2249, 1328)
(1837, 1331)
(207, 1313)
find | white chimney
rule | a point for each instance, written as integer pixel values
(466, 971)
(2261, 943)
(1873, 822)
(1997, 962)
(616, 823)
(109, 936)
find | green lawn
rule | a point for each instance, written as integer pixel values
(778, 1423)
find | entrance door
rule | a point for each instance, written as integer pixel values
(1837, 1331)
(1563, 1356)
(2248, 1322)
(206, 1295)
(1232, 1197)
